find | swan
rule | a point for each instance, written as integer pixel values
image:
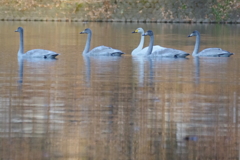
(209, 52)
(35, 53)
(100, 50)
(167, 52)
(140, 50)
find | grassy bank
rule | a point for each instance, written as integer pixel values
(121, 10)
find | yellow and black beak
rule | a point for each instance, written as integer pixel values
(136, 31)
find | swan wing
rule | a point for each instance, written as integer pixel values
(157, 47)
(214, 52)
(99, 48)
(105, 51)
(136, 51)
(170, 53)
(143, 52)
(40, 53)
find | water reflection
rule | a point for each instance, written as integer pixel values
(209, 66)
(149, 69)
(139, 68)
(37, 63)
(20, 70)
(100, 66)
(118, 108)
(197, 69)
(87, 63)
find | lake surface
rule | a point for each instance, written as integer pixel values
(108, 108)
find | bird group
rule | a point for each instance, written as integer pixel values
(152, 50)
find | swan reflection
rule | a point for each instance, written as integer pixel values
(36, 66)
(87, 64)
(20, 70)
(100, 66)
(197, 69)
(148, 68)
(210, 65)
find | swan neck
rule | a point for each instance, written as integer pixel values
(88, 42)
(21, 44)
(150, 47)
(141, 43)
(197, 45)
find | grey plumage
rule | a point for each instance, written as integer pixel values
(35, 53)
(209, 52)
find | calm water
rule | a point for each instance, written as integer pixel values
(118, 108)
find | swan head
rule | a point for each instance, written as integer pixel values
(194, 33)
(20, 29)
(86, 31)
(148, 33)
(139, 30)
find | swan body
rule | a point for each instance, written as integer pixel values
(166, 52)
(140, 51)
(209, 52)
(35, 53)
(100, 50)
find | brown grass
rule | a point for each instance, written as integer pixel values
(117, 9)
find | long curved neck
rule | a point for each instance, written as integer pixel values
(197, 45)
(88, 42)
(21, 44)
(140, 46)
(150, 47)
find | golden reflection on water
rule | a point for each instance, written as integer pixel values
(117, 108)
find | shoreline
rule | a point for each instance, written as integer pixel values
(132, 11)
(201, 21)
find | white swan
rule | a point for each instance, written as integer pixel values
(140, 51)
(35, 53)
(167, 52)
(100, 50)
(209, 52)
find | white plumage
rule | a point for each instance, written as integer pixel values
(140, 51)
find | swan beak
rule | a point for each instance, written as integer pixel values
(82, 32)
(136, 31)
(190, 35)
(145, 34)
(16, 31)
